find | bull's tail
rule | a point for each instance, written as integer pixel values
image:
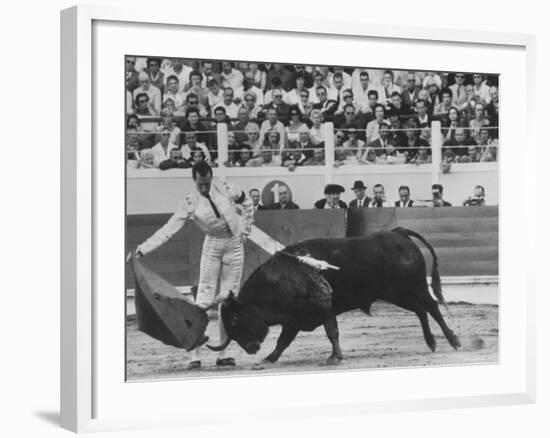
(436, 279)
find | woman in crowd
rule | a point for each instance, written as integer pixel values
(316, 131)
(450, 124)
(253, 132)
(293, 128)
(250, 104)
(374, 125)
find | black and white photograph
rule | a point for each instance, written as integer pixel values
(288, 218)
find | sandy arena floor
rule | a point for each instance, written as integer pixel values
(392, 337)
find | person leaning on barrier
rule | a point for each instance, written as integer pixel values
(353, 143)
(254, 195)
(332, 198)
(379, 199)
(161, 150)
(318, 158)
(266, 159)
(176, 161)
(404, 197)
(152, 92)
(361, 199)
(285, 201)
(272, 124)
(192, 123)
(191, 143)
(478, 199)
(373, 126)
(437, 196)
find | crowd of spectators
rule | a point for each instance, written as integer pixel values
(276, 114)
(333, 192)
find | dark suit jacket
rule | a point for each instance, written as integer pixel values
(366, 201)
(328, 108)
(407, 102)
(289, 206)
(261, 207)
(322, 202)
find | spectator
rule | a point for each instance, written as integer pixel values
(161, 151)
(468, 107)
(251, 105)
(404, 197)
(373, 127)
(431, 78)
(473, 155)
(353, 143)
(410, 95)
(275, 85)
(446, 102)
(179, 69)
(413, 142)
(361, 92)
(348, 117)
(278, 104)
(207, 70)
(197, 156)
(306, 73)
(460, 143)
(383, 140)
(175, 161)
(361, 199)
(195, 88)
(397, 134)
(146, 159)
(152, 92)
(422, 119)
(273, 124)
(253, 134)
(318, 81)
(293, 96)
(295, 126)
(332, 197)
(193, 123)
(337, 89)
(172, 92)
(285, 77)
(318, 158)
(388, 88)
(285, 203)
(479, 121)
(437, 196)
(239, 128)
(231, 109)
(490, 153)
(255, 198)
(305, 105)
(256, 77)
(266, 158)
(451, 124)
(433, 91)
(231, 78)
(478, 199)
(192, 144)
(396, 105)
(422, 157)
(347, 81)
(215, 94)
(369, 157)
(248, 87)
(144, 107)
(325, 105)
(379, 199)
(155, 75)
(168, 122)
(132, 81)
(481, 90)
(233, 148)
(459, 96)
(245, 154)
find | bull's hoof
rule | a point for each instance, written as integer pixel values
(264, 364)
(455, 342)
(432, 344)
(333, 360)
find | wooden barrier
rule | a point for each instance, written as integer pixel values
(465, 238)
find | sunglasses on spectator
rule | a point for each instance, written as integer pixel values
(340, 136)
(193, 102)
(348, 113)
(459, 76)
(131, 62)
(143, 101)
(277, 96)
(249, 100)
(304, 95)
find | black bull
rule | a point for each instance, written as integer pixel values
(384, 266)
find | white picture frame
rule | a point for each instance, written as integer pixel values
(81, 375)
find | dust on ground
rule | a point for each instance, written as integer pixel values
(391, 337)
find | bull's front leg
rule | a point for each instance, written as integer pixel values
(331, 328)
(288, 333)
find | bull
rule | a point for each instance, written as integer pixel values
(386, 265)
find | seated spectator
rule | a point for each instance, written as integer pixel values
(266, 159)
(316, 134)
(437, 196)
(337, 91)
(379, 199)
(207, 70)
(176, 161)
(132, 81)
(353, 143)
(423, 119)
(197, 156)
(167, 121)
(239, 128)
(432, 88)
(231, 77)
(422, 157)
(293, 96)
(276, 85)
(460, 143)
(146, 160)
(254, 195)
(285, 201)
(388, 88)
(283, 75)
(161, 151)
(256, 77)
(233, 147)
(193, 124)
(245, 154)
(173, 92)
(390, 155)
(409, 96)
(318, 81)
(396, 105)
(194, 87)
(249, 88)
(253, 134)
(369, 156)
(481, 89)
(478, 199)
(492, 110)
(450, 124)
(404, 197)
(152, 92)
(231, 109)
(191, 144)
(349, 117)
(332, 197)
(383, 140)
(156, 77)
(374, 125)
(446, 102)
(468, 107)
(278, 104)
(473, 155)
(413, 141)
(251, 105)
(324, 104)
(479, 121)
(144, 106)
(490, 153)
(361, 199)
(317, 159)
(273, 124)
(397, 135)
(295, 126)
(304, 104)
(192, 103)
(215, 94)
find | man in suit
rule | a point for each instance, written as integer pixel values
(379, 199)
(327, 106)
(285, 203)
(255, 198)
(437, 196)
(410, 94)
(361, 199)
(332, 197)
(404, 197)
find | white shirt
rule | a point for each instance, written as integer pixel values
(231, 110)
(215, 99)
(361, 97)
(385, 203)
(268, 96)
(239, 93)
(159, 154)
(183, 76)
(279, 127)
(198, 208)
(233, 79)
(178, 98)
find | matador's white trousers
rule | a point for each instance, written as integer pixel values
(222, 258)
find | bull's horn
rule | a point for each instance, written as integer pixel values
(220, 347)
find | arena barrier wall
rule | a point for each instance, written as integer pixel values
(465, 238)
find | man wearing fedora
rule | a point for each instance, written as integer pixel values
(361, 199)
(332, 197)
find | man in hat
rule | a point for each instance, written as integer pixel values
(213, 208)
(332, 197)
(361, 199)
